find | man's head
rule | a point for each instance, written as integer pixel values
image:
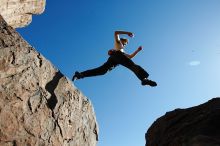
(124, 41)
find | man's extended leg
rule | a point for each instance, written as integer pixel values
(107, 66)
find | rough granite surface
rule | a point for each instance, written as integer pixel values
(18, 13)
(39, 106)
(196, 126)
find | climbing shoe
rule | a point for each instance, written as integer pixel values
(77, 76)
(148, 82)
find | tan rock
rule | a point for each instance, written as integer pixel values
(38, 104)
(18, 13)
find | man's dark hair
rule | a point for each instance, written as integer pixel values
(124, 40)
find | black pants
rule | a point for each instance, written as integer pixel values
(115, 59)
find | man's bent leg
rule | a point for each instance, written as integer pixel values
(138, 70)
(128, 63)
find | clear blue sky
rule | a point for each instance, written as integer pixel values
(181, 40)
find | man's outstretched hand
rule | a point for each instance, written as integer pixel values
(131, 35)
(140, 48)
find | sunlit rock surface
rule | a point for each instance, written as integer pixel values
(39, 106)
(18, 13)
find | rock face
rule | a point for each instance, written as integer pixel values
(39, 106)
(196, 126)
(18, 13)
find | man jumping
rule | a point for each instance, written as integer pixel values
(118, 57)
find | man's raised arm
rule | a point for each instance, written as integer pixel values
(117, 33)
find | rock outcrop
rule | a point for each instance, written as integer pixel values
(39, 106)
(18, 13)
(196, 126)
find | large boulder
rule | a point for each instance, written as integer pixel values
(39, 106)
(18, 13)
(196, 126)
